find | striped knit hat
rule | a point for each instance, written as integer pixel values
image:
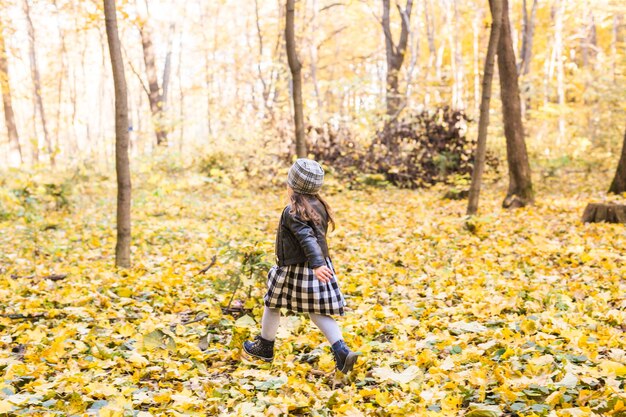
(305, 176)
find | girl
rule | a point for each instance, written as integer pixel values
(303, 280)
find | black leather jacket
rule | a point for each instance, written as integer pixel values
(298, 241)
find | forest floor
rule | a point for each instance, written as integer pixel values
(523, 315)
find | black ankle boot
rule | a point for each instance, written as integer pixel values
(260, 348)
(344, 357)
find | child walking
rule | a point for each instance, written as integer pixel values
(304, 279)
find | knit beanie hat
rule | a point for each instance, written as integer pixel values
(305, 176)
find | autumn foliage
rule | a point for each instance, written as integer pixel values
(524, 315)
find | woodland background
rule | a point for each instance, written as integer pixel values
(506, 313)
(221, 68)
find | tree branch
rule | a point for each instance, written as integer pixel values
(134, 70)
(406, 19)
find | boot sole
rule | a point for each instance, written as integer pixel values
(252, 356)
(350, 361)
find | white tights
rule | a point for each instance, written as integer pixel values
(271, 320)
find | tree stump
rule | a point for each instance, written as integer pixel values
(604, 212)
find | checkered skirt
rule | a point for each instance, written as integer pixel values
(296, 288)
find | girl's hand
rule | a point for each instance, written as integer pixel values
(323, 273)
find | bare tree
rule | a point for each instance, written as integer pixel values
(34, 69)
(560, 68)
(5, 89)
(155, 95)
(313, 52)
(589, 41)
(617, 21)
(476, 26)
(520, 192)
(528, 33)
(395, 55)
(296, 74)
(268, 81)
(456, 59)
(167, 68)
(62, 74)
(122, 165)
(483, 122)
(430, 35)
(181, 94)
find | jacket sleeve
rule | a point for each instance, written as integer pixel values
(306, 238)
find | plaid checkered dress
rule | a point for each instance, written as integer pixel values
(296, 288)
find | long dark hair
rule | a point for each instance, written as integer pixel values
(301, 206)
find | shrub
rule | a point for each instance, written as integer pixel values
(418, 150)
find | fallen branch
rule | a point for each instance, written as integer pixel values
(20, 316)
(203, 270)
(55, 277)
(236, 311)
(201, 315)
(40, 316)
(52, 277)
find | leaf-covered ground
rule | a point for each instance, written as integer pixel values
(523, 315)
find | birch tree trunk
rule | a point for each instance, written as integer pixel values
(313, 48)
(122, 165)
(181, 95)
(560, 70)
(5, 89)
(458, 90)
(589, 42)
(296, 74)
(432, 49)
(264, 85)
(62, 76)
(476, 26)
(34, 69)
(614, 40)
(167, 69)
(520, 192)
(483, 121)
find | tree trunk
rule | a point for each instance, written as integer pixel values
(432, 48)
(62, 76)
(395, 56)
(34, 68)
(122, 165)
(520, 191)
(458, 69)
(414, 48)
(483, 121)
(476, 27)
(313, 49)
(5, 89)
(167, 70)
(181, 95)
(296, 74)
(589, 43)
(614, 41)
(618, 185)
(265, 90)
(604, 212)
(154, 96)
(526, 54)
(560, 70)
